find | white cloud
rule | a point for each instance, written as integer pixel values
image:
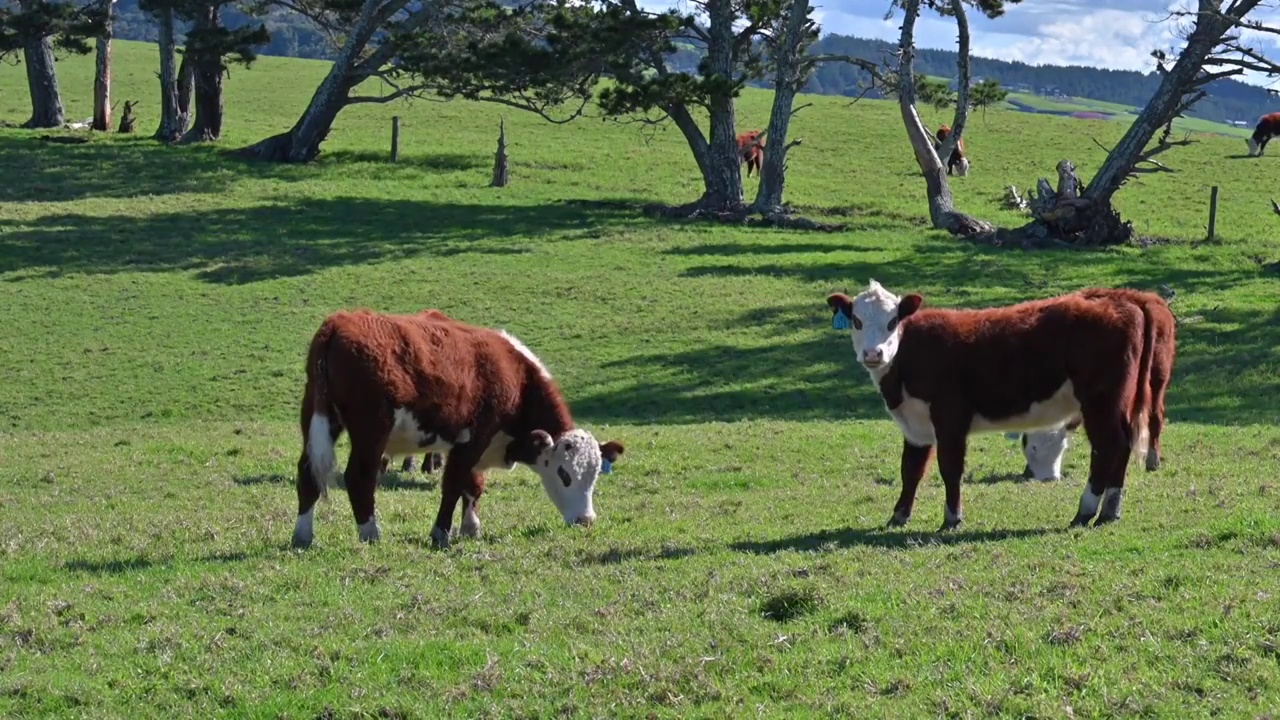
(1040, 32)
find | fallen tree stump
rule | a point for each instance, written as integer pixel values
(65, 139)
(1012, 200)
(1061, 217)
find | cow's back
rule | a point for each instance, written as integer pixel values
(437, 366)
(999, 358)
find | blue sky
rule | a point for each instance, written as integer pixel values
(1097, 33)
(1041, 32)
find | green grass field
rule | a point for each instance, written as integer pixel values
(160, 300)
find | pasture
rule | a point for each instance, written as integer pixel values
(159, 302)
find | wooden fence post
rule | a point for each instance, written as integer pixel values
(395, 138)
(1213, 211)
(500, 157)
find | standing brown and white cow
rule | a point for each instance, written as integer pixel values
(751, 150)
(944, 374)
(958, 162)
(1043, 449)
(403, 384)
(1268, 126)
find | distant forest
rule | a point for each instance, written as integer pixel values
(294, 36)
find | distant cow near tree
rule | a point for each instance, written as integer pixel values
(958, 162)
(1043, 450)
(404, 384)
(751, 150)
(945, 374)
(1268, 127)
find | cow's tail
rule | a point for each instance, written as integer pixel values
(319, 427)
(1140, 414)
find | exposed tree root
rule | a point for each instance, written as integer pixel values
(738, 215)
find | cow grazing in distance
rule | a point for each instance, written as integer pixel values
(944, 374)
(958, 162)
(1044, 449)
(1268, 126)
(430, 463)
(751, 150)
(404, 384)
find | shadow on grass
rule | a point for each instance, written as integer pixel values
(391, 481)
(813, 379)
(1224, 372)
(137, 166)
(122, 566)
(879, 538)
(271, 479)
(614, 556)
(438, 162)
(232, 246)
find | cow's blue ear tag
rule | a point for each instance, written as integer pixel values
(606, 467)
(839, 321)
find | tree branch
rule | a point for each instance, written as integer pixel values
(411, 91)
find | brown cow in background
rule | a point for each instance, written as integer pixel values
(751, 150)
(958, 162)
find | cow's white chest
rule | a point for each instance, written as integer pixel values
(1050, 413)
(408, 438)
(914, 421)
(495, 456)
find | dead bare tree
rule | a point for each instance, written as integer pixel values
(1075, 213)
(942, 212)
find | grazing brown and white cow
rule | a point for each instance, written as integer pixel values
(751, 150)
(1043, 450)
(944, 374)
(1268, 126)
(958, 162)
(403, 384)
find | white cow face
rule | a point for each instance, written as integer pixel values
(1043, 451)
(1253, 147)
(569, 466)
(874, 317)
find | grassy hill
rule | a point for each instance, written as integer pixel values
(160, 300)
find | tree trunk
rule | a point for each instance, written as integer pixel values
(942, 212)
(172, 123)
(961, 116)
(207, 71)
(787, 82)
(186, 88)
(1161, 109)
(723, 176)
(102, 75)
(302, 142)
(42, 82)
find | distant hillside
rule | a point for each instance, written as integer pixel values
(1228, 100)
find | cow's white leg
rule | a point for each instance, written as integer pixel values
(303, 529)
(470, 526)
(1088, 506)
(368, 530)
(951, 520)
(1110, 506)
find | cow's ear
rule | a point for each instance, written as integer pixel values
(540, 440)
(611, 450)
(527, 449)
(908, 306)
(841, 303)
